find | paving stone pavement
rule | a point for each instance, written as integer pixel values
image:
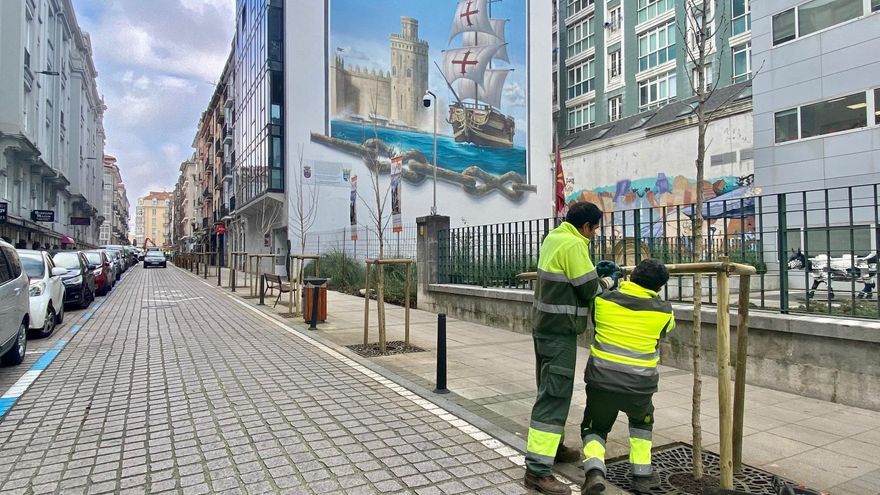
(175, 387)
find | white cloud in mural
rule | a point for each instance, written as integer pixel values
(514, 95)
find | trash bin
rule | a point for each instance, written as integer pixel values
(308, 295)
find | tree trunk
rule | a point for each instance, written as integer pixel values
(698, 287)
(380, 296)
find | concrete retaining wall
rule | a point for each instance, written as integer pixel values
(826, 358)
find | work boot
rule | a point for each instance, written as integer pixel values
(546, 484)
(644, 484)
(595, 482)
(567, 454)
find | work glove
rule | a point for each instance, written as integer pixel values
(607, 283)
(608, 269)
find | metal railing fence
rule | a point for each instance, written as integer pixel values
(397, 244)
(815, 251)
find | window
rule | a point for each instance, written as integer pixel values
(824, 117)
(877, 104)
(649, 9)
(657, 46)
(615, 21)
(615, 108)
(813, 16)
(5, 269)
(582, 78)
(699, 14)
(575, 6)
(708, 77)
(581, 117)
(815, 241)
(657, 90)
(742, 62)
(875, 5)
(742, 16)
(580, 37)
(615, 65)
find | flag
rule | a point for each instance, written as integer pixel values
(560, 185)
(396, 171)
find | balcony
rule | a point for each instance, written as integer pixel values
(218, 147)
(227, 133)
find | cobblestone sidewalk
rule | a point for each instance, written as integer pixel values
(173, 386)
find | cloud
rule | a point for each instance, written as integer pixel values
(514, 95)
(157, 62)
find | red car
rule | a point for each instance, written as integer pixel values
(100, 266)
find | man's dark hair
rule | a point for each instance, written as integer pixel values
(582, 213)
(650, 274)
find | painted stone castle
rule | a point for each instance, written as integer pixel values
(388, 98)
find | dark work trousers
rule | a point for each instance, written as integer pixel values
(556, 357)
(600, 415)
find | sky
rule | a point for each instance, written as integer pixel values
(157, 63)
(366, 44)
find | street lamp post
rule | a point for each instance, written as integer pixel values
(430, 99)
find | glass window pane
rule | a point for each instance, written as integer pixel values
(739, 7)
(877, 95)
(875, 5)
(786, 125)
(820, 14)
(839, 114)
(783, 27)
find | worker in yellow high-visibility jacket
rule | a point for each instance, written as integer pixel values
(622, 372)
(564, 292)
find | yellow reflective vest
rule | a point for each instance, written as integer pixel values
(629, 325)
(566, 285)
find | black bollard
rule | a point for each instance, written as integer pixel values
(313, 324)
(232, 277)
(441, 355)
(206, 268)
(262, 289)
(219, 273)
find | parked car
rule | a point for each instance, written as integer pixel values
(155, 258)
(119, 252)
(113, 268)
(118, 265)
(79, 282)
(100, 266)
(46, 291)
(14, 306)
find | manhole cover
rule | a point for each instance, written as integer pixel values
(673, 463)
(393, 347)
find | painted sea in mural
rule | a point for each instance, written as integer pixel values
(450, 155)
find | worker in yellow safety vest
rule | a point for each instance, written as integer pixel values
(622, 373)
(565, 289)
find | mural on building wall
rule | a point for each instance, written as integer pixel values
(730, 205)
(470, 54)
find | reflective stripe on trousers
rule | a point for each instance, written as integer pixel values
(640, 451)
(544, 441)
(594, 453)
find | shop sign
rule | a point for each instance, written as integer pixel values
(43, 215)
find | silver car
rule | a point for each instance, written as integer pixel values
(14, 306)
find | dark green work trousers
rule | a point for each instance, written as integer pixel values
(556, 357)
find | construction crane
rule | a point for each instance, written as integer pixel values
(150, 241)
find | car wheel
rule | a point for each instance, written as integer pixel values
(165, 265)
(60, 319)
(16, 354)
(87, 298)
(48, 324)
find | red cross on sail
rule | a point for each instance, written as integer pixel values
(467, 63)
(471, 16)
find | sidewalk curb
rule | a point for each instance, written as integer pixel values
(572, 473)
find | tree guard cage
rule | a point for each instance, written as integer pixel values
(730, 417)
(255, 265)
(295, 278)
(407, 282)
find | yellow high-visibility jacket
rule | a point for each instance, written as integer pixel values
(629, 325)
(567, 283)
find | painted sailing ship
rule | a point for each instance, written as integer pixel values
(476, 115)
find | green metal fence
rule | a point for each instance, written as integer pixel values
(815, 251)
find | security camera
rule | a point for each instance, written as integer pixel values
(426, 100)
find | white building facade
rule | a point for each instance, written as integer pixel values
(51, 127)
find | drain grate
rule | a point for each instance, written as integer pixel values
(673, 463)
(393, 347)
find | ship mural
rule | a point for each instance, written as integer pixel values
(475, 114)
(477, 70)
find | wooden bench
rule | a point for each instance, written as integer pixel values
(274, 282)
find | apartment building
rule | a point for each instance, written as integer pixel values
(51, 126)
(114, 230)
(153, 219)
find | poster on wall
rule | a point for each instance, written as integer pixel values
(459, 67)
(396, 169)
(352, 208)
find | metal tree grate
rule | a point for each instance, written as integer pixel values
(392, 347)
(673, 464)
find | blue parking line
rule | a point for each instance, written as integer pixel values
(8, 399)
